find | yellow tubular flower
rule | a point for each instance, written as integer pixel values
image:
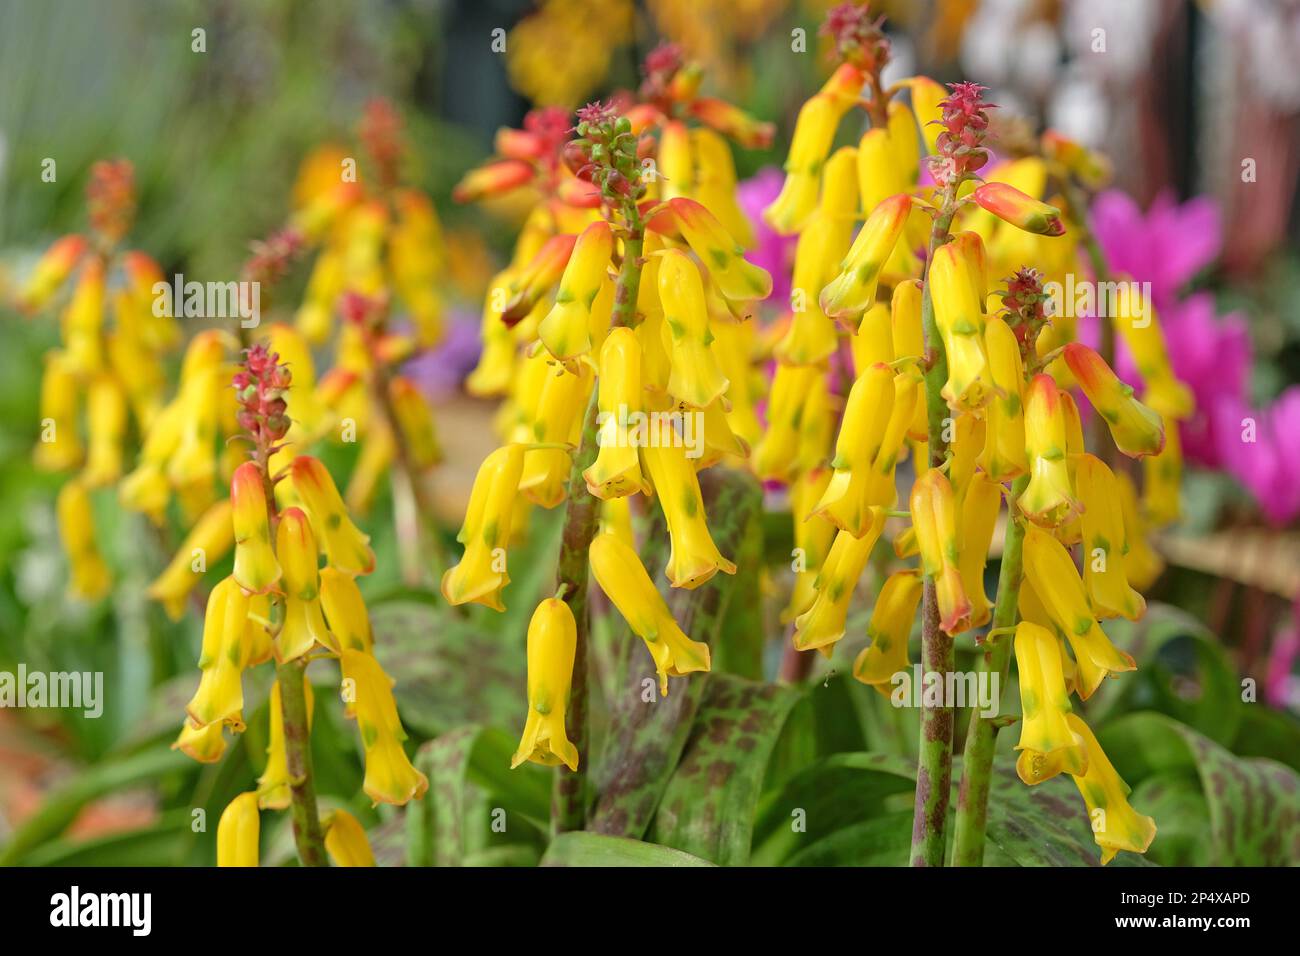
(889, 629)
(624, 581)
(676, 164)
(733, 344)
(481, 573)
(552, 643)
(816, 427)
(1162, 480)
(1056, 582)
(777, 453)
(222, 659)
(83, 318)
(616, 519)
(811, 336)
(904, 143)
(257, 634)
(496, 364)
(967, 444)
(956, 286)
(273, 791)
(345, 840)
(935, 520)
(694, 558)
(1143, 564)
(1046, 742)
(256, 568)
(558, 420)
(1049, 498)
(715, 183)
(813, 536)
(51, 271)
(1136, 429)
(874, 340)
(1139, 326)
(1004, 446)
(1104, 544)
(415, 421)
(737, 279)
(616, 471)
(909, 342)
(566, 330)
(304, 624)
(238, 832)
(193, 464)
(926, 97)
(822, 625)
(979, 514)
(853, 291)
(345, 547)
(345, 610)
(879, 177)
(60, 446)
(695, 378)
(368, 696)
(867, 414)
(89, 578)
(201, 744)
(309, 414)
(415, 253)
(207, 543)
(107, 413)
(1115, 824)
(814, 131)
(532, 281)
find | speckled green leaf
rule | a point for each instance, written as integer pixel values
(596, 849)
(469, 781)
(1253, 803)
(1043, 825)
(834, 794)
(709, 804)
(646, 737)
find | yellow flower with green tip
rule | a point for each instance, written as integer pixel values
(1047, 744)
(368, 698)
(694, 558)
(88, 576)
(626, 583)
(222, 658)
(889, 629)
(853, 290)
(1052, 574)
(482, 572)
(345, 546)
(1115, 824)
(345, 610)
(823, 624)
(256, 568)
(273, 786)
(345, 840)
(1048, 499)
(934, 517)
(304, 624)
(1104, 542)
(552, 643)
(566, 329)
(694, 377)
(1004, 447)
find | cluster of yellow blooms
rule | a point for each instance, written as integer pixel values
(279, 603)
(575, 345)
(1010, 424)
(115, 371)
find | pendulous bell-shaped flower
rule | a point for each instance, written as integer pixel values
(238, 832)
(368, 697)
(552, 643)
(304, 624)
(1049, 497)
(1104, 542)
(482, 572)
(626, 583)
(889, 628)
(1136, 429)
(256, 568)
(345, 547)
(1046, 741)
(935, 520)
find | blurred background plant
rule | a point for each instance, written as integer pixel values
(1190, 102)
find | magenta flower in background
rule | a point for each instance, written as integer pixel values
(1211, 353)
(1166, 245)
(771, 251)
(1269, 466)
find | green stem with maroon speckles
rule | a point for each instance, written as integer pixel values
(934, 760)
(981, 734)
(569, 795)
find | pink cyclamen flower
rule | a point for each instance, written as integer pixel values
(1258, 448)
(1166, 246)
(771, 251)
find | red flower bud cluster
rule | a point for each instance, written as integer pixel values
(381, 133)
(961, 144)
(859, 39)
(110, 197)
(260, 388)
(1024, 304)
